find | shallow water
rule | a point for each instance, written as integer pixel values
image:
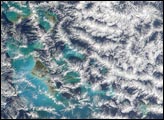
(82, 60)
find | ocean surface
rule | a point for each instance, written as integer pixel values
(82, 59)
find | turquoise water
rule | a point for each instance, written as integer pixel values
(14, 16)
(45, 17)
(72, 77)
(23, 64)
(69, 53)
(76, 59)
(35, 94)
